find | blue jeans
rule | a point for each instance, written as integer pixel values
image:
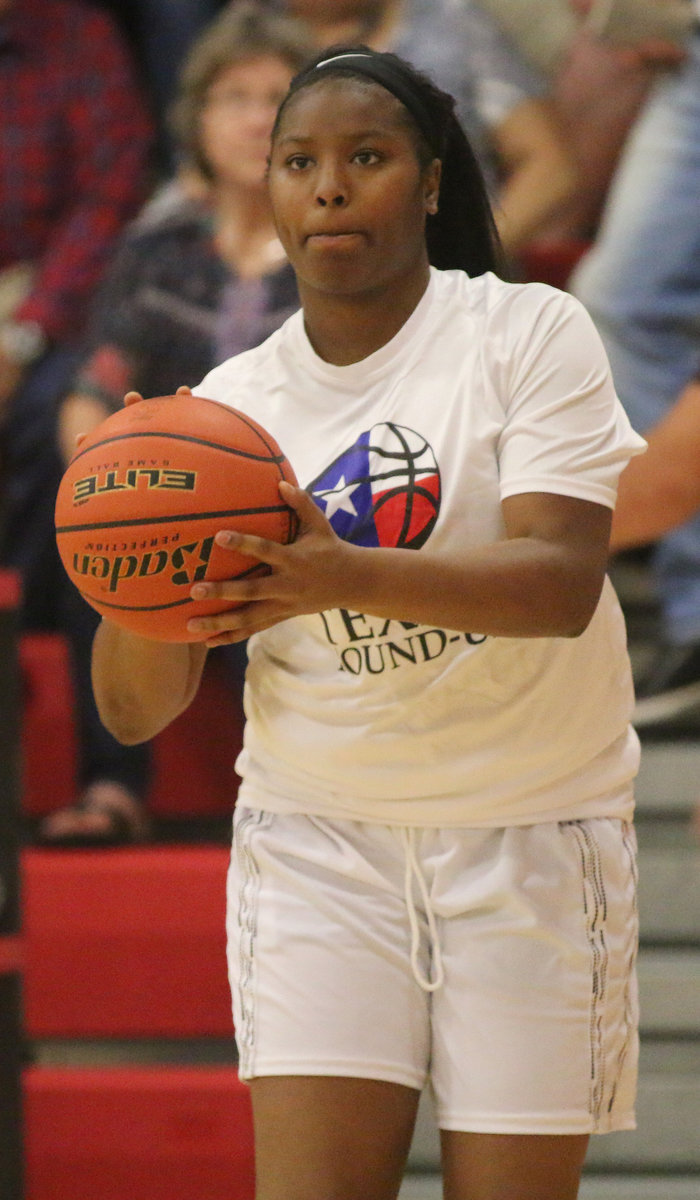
(641, 284)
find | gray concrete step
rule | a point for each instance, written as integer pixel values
(669, 990)
(593, 1187)
(669, 885)
(669, 777)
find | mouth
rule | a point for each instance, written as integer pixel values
(331, 239)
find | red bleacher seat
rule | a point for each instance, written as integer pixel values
(126, 942)
(552, 262)
(48, 739)
(193, 759)
(137, 1133)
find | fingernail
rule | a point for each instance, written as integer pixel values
(199, 591)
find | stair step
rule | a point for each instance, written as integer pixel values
(593, 1187)
(669, 776)
(146, 1134)
(669, 887)
(126, 943)
(669, 989)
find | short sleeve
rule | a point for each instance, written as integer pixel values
(565, 430)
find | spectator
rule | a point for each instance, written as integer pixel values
(501, 101)
(641, 283)
(200, 276)
(601, 59)
(74, 144)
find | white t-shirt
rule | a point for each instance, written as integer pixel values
(487, 391)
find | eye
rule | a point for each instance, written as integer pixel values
(366, 158)
(297, 162)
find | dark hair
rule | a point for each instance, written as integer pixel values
(462, 234)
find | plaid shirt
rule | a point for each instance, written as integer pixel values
(74, 145)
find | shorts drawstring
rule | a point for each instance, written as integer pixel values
(413, 869)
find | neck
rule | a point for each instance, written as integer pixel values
(345, 329)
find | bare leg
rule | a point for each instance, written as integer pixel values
(496, 1166)
(320, 1138)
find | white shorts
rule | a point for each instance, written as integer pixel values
(528, 934)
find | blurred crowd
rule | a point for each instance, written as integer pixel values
(137, 250)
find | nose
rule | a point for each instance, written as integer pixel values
(336, 201)
(331, 190)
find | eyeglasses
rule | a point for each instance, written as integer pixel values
(236, 101)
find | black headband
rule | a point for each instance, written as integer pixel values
(381, 69)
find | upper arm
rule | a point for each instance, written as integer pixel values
(572, 537)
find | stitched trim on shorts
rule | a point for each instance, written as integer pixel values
(629, 843)
(595, 912)
(247, 916)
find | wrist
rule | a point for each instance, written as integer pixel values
(22, 342)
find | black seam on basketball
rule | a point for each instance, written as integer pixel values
(276, 459)
(96, 526)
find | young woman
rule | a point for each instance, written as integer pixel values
(433, 867)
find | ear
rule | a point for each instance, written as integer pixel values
(432, 186)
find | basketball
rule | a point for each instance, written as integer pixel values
(145, 494)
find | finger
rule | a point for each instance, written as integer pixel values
(252, 546)
(183, 390)
(79, 439)
(236, 591)
(238, 623)
(132, 398)
(304, 506)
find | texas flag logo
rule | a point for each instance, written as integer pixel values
(383, 491)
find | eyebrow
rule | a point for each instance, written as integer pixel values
(356, 135)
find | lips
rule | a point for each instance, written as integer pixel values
(332, 235)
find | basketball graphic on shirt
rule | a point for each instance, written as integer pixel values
(384, 490)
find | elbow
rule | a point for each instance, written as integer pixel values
(127, 721)
(123, 723)
(572, 607)
(579, 614)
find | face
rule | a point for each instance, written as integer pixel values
(335, 10)
(237, 119)
(348, 193)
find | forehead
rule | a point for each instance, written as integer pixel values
(343, 104)
(259, 69)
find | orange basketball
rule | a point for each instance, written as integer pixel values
(143, 497)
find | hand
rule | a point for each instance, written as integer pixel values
(305, 576)
(78, 415)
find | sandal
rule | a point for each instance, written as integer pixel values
(106, 814)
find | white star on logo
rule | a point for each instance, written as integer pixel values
(340, 498)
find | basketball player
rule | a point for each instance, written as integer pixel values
(433, 874)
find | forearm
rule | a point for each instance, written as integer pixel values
(531, 196)
(660, 489)
(540, 176)
(522, 587)
(140, 685)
